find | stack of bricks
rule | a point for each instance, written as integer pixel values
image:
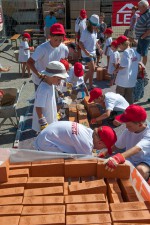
(102, 74)
(69, 192)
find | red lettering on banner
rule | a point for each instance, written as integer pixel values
(74, 128)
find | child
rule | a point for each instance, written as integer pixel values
(113, 61)
(24, 53)
(107, 50)
(127, 70)
(4, 69)
(76, 78)
(45, 109)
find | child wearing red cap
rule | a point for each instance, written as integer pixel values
(76, 78)
(107, 50)
(24, 53)
(135, 139)
(113, 61)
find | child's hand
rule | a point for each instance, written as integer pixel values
(7, 68)
(31, 48)
(93, 121)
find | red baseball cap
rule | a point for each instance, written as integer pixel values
(57, 28)
(83, 13)
(133, 113)
(78, 69)
(108, 136)
(108, 31)
(66, 64)
(121, 39)
(114, 43)
(95, 93)
(26, 35)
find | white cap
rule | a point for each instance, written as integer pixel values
(94, 20)
(55, 68)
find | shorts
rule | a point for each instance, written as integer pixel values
(89, 59)
(142, 46)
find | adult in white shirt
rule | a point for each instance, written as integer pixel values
(52, 50)
(135, 139)
(75, 138)
(113, 103)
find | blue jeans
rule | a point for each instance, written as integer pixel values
(142, 47)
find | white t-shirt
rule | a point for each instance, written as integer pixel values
(45, 98)
(80, 25)
(114, 59)
(73, 79)
(45, 53)
(127, 77)
(107, 44)
(24, 55)
(115, 102)
(129, 139)
(89, 41)
(65, 136)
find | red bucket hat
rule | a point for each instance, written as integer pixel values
(114, 43)
(83, 14)
(57, 28)
(66, 64)
(133, 113)
(26, 35)
(121, 39)
(95, 93)
(108, 31)
(108, 136)
(78, 69)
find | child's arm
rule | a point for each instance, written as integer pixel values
(86, 91)
(42, 120)
(5, 69)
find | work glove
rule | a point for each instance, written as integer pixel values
(112, 162)
(102, 154)
(43, 123)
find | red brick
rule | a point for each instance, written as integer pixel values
(79, 168)
(94, 111)
(66, 191)
(107, 77)
(49, 168)
(10, 210)
(80, 106)
(43, 220)
(5, 220)
(16, 191)
(84, 122)
(140, 216)
(38, 182)
(43, 200)
(19, 173)
(73, 112)
(43, 209)
(85, 198)
(23, 165)
(130, 224)
(122, 171)
(112, 186)
(14, 182)
(4, 171)
(16, 200)
(129, 206)
(87, 208)
(86, 103)
(115, 198)
(99, 74)
(58, 190)
(88, 219)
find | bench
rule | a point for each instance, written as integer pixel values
(38, 37)
(14, 38)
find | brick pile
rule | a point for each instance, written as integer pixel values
(101, 74)
(69, 192)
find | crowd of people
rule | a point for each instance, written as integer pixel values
(50, 68)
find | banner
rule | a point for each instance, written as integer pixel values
(121, 12)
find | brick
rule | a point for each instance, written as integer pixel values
(86, 103)
(86, 208)
(82, 114)
(91, 187)
(43, 200)
(19, 173)
(129, 206)
(38, 182)
(16, 200)
(88, 219)
(131, 197)
(43, 210)
(94, 111)
(43, 220)
(5, 220)
(84, 122)
(14, 182)
(122, 171)
(79, 168)
(73, 119)
(115, 198)
(113, 188)
(85, 198)
(130, 224)
(99, 74)
(24, 165)
(58, 190)
(72, 111)
(66, 191)
(80, 107)
(16, 191)
(4, 171)
(139, 216)
(107, 77)
(10, 210)
(49, 168)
